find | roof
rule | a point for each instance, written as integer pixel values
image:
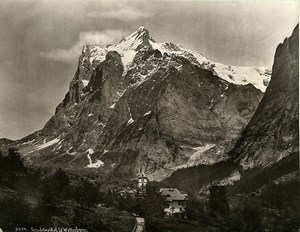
(143, 176)
(173, 194)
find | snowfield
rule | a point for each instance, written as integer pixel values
(238, 75)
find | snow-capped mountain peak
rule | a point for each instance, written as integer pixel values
(130, 45)
(127, 48)
(134, 41)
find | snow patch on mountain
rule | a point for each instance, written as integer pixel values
(243, 75)
(97, 164)
(130, 121)
(97, 53)
(90, 151)
(234, 176)
(69, 151)
(127, 57)
(237, 75)
(147, 113)
(121, 93)
(47, 144)
(31, 141)
(85, 82)
(112, 106)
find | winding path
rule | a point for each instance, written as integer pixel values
(140, 224)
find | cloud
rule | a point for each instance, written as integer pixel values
(125, 13)
(85, 38)
(6, 63)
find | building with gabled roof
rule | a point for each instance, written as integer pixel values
(175, 201)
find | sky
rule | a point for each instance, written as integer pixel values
(41, 40)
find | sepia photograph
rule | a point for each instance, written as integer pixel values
(149, 116)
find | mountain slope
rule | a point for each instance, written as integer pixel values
(273, 131)
(145, 105)
(267, 150)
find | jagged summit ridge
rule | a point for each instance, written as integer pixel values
(127, 48)
(141, 39)
(141, 34)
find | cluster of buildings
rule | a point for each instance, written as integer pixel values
(175, 203)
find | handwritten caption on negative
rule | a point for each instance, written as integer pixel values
(51, 229)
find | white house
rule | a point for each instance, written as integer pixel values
(175, 201)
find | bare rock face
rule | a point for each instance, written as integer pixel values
(145, 105)
(168, 120)
(267, 150)
(273, 132)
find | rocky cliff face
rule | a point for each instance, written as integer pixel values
(140, 104)
(268, 148)
(273, 132)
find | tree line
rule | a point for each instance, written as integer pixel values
(32, 197)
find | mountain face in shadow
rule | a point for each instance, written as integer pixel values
(273, 131)
(267, 151)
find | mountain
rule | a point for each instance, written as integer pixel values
(140, 105)
(273, 132)
(267, 151)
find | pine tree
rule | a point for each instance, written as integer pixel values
(218, 200)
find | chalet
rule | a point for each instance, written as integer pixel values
(175, 201)
(142, 181)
